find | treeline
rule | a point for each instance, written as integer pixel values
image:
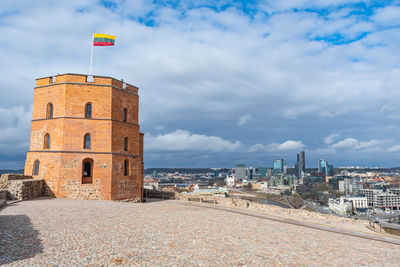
(183, 170)
(19, 171)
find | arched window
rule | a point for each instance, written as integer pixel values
(36, 165)
(86, 141)
(49, 112)
(125, 114)
(46, 141)
(126, 167)
(88, 110)
(87, 171)
(126, 143)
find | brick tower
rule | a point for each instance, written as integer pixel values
(85, 139)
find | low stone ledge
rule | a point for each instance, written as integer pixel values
(25, 189)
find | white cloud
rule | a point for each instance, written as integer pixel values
(181, 140)
(244, 119)
(329, 139)
(288, 145)
(389, 15)
(358, 145)
(395, 148)
(346, 143)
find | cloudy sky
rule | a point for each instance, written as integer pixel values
(221, 82)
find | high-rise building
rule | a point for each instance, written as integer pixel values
(302, 161)
(322, 165)
(251, 172)
(240, 171)
(262, 171)
(279, 165)
(300, 165)
(325, 168)
(85, 138)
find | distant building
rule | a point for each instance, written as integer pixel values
(230, 181)
(308, 181)
(360, 204)
(350, 186)
(281, 180)
(150, 184)
(262, 171)
(325, 168)
(279, 165)
(334, 181)
(348, 205)
(387, 201)
(240, 171)
(341, 206)
(301, 164)
(369, 194)
(270, 172)
(251, 173)
(322, 165)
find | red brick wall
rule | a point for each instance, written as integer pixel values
(61, 165)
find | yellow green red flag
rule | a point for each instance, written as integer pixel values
(101, 39)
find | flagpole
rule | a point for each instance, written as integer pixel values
(91, 57)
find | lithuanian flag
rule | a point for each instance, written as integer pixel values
(100, 39)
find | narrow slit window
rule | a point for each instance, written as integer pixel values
(49, 113)
(126, 167)
(126, 143)
(36, 166)
(47, 141)
(125, 115)
(87, 141)
(88, 110)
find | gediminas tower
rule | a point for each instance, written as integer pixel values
(85, 137)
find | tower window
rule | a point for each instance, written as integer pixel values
(126, 167)
(36, 165)
(126, 143)
(125, 115)
(49, 112)
(88, 110)
(46, 141)
(87, 170)
(86, 141)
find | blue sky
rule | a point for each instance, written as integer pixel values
(221, 82)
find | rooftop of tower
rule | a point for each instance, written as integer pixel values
(74, 78)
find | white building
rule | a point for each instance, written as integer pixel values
(394, 191)
(369, 194)
(230, 181)
(360, 204)
(387, 201)
(341, 206)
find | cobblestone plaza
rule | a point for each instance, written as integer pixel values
(61, 232)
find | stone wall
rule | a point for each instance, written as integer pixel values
(25, 189)
(21, 187)
(3, 194)
(6, 178)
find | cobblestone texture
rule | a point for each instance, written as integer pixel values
(60, 232)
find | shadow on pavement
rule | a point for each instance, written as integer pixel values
(18, 239)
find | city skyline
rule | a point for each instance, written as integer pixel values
(221, 83)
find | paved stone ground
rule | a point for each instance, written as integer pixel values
(59, 232)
